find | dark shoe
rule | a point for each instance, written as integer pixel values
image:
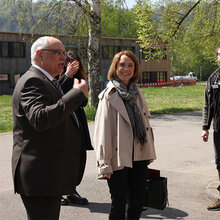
(64, 201)
(144, 208)
(214, 207)
(75, 198)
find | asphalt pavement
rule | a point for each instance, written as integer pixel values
(182, 157)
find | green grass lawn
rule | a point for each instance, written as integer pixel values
(160, 101)
(174, 99)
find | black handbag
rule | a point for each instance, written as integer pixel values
(156, 193)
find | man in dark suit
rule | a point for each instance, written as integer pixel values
(46, 136)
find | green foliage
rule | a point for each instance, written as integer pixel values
(194, 48)
(7, 11)
(150, 31)
(117, 20)
(65, 18)
(90, 112)
(190, 27)
(51, 17)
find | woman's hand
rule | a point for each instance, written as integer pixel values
(72, 68)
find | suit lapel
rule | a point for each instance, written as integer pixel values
(44, 77)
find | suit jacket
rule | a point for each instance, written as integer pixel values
(66, 84)
(46, 140)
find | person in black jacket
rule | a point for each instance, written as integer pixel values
(75, 69)
(211, 112)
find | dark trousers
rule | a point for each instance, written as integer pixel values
(127, 185)
(47, 208)
(83, 157)
(216, 141)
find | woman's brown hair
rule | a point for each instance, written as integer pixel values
(71, 56)
(112, 70)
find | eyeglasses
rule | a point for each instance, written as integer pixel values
(59, 52)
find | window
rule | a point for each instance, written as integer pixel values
(111, 52)
(116, 49)
(105, 52)
(108, 52)
(83, 52)
(161, 76)
(132, 49)
(12, 49)
(145, 77)
(4, 49)
(153, 77)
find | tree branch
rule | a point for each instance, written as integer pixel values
(84, 6)
(184, 17)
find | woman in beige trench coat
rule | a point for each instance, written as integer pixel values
(123, 137)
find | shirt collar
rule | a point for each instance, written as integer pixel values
(44, 72)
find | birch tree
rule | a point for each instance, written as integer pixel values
(93, 11)
(63, 8)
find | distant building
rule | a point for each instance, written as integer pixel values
(15, 57)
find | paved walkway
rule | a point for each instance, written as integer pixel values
(181, 156)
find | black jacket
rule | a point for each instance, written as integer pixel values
(211, 110)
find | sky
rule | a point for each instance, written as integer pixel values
(130, 3)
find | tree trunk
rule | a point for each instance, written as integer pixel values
(94, 53)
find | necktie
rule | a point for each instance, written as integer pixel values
(58, 87)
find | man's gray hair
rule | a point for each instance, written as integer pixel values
(40, 43)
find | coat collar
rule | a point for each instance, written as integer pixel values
(116, 102)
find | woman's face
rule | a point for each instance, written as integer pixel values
(125, 69)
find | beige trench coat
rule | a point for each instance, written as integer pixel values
(113, 135)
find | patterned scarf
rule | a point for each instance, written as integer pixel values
(129, 97)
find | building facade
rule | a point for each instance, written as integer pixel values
(15, 58)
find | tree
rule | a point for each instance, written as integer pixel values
(7, 21)
(62, 16)
(118, 20)
(190, 27)
(93, 11)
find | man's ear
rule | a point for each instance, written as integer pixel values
(39, 53)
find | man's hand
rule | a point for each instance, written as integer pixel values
(105, 176)
(72, 68)
(81, 86)
(205, 135)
